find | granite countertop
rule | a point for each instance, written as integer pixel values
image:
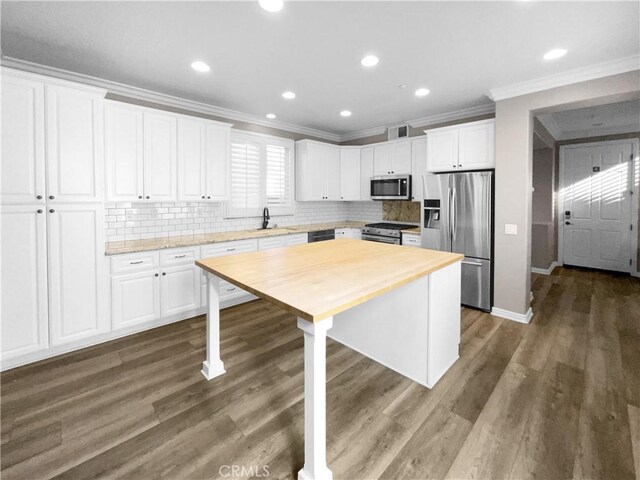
(131, 246)
(412, 231)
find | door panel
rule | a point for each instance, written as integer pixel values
(442, 150)
(597, 206)
(25, 322)
(191, 166)
(349, 173)
(476, 283)
(217, 162)
(401, 158)
(123, 152)
(471, 222)
(160, 164)
(135, 298)
(331, 171)
(180, 289)
(74, 145)
(22, 160)
(382, 159)
(437, 187)
(77, 276)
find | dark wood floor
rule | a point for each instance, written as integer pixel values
(559, 398)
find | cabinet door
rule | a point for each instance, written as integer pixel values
(217, 160)
(418, 166)
(23, 250)
(401, 152)
(476, 146)
(331, 171)
(366, 172)
(22, 162)
(74, 145)
(135, 298)
(382, 159)
(160, 157)
(442, 150)
(123, 152)
(179, 289)
(77, 274)
(191, 166)
(312, 170)
(350, 173)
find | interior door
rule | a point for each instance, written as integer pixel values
(596, 206)
(471, 219)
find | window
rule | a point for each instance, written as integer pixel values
(261, 176)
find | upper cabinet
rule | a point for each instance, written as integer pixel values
(203, 160)
(418, 166)
(467, 146)
(392, 158)
(22, 161)
(160, 157)
(317, 171)
(350, 173)
(74, 144)
(58, 158)
(366, 172)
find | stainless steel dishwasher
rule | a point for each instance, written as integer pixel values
(321, 235)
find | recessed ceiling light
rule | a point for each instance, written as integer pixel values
(402, 85)
(271, 5)
(555, 53)
(200, 66)
(369, 61)
(271, 115)
(422, 92)
(345, 113)
(289, 95)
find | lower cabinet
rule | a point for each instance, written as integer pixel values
(411, 240)
(135, 298)
(180, 289)
(349, 233)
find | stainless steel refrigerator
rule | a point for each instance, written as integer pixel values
(457, 216)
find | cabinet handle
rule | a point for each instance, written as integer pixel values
(203, 197)
(39, 210)
(51, 197)
(52, 211)
(208, 197)
(39, 197)
(231, 289)
(148, 197)
(164, 273)
(180, 256)
(136, 263)
(140, 197)
(454, 166)
(231, 249)
(156, 274)
(459, 165)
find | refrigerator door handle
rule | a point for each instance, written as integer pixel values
(450, 222)
(454, 220)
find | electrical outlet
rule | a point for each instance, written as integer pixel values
(153, 213)
(510, 229)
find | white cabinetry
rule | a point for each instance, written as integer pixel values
(203, 160)
(350, 173)
(25, 323)
(135, 298)
(468, 146)
(418, 166)
(74, 144)
(77, 276)
(411, 239)
(349, 233)
(366, 172)
(22, 161)
(317, 171)
(392, 158)
(180, 289)
(160, 157)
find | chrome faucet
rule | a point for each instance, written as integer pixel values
(265, 218)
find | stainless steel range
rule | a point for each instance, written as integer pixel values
(385, 232)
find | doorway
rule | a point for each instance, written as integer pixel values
(595, 207)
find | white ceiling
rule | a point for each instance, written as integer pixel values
(459, 50)
(621, 117)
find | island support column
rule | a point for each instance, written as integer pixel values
(315, 400)
(213, 366)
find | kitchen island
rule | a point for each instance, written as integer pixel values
(397, 305)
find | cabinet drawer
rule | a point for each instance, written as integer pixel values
(228, 248)
(411, 240)
(228, 289)
(271, 242)
(179, 256)
(134, 262)
(296, 239)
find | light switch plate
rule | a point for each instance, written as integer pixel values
(510, 229)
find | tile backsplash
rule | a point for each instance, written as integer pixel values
(138, 221)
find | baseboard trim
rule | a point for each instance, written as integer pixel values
(545, 271)
(516, 317)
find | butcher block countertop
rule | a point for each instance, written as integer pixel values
(318, 280)
(131, 246)
(412, 231)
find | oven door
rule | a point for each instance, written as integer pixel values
(391, 187)
(380, 239)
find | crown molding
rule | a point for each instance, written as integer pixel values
(451, 116)
(161, 98)
(582, 74)
(550, 124)
(369, 132)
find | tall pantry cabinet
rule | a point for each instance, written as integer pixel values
(54, 289)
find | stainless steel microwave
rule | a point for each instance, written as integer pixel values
(391, 187)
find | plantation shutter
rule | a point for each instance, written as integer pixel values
(246, 190)
(278, 176)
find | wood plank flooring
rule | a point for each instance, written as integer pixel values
(556, 399)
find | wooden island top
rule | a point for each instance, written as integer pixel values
(318, 280)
